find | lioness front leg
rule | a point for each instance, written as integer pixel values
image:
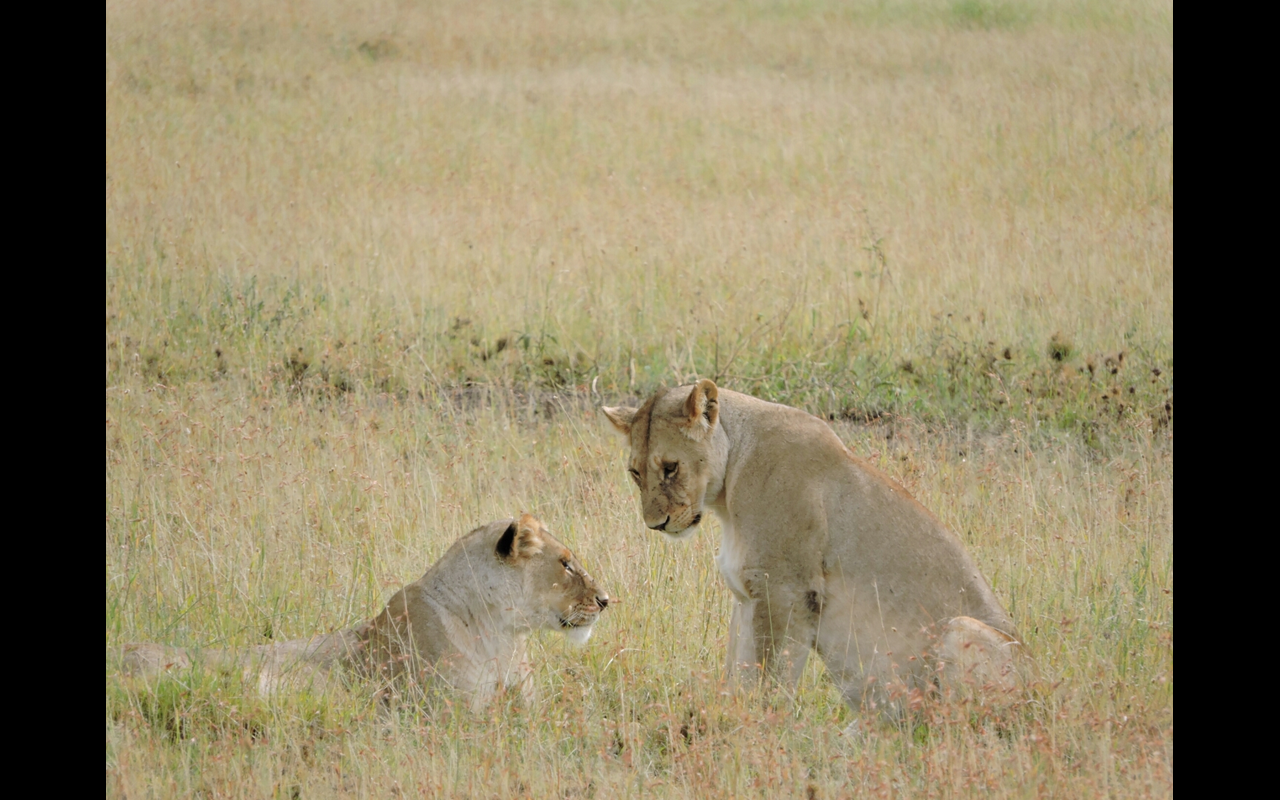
(754, 651)
(779, 629)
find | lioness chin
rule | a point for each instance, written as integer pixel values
(464, 624)
(820, 550)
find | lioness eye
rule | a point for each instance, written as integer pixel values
(669, 469)
(635, 476)
(567, 567)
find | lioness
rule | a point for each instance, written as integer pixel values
(464, 623)
(818, 547)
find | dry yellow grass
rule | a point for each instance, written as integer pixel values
(322, 221)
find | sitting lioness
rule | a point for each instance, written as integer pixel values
(464, 623)
(818, 547)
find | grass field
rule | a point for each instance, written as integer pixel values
(370, 270)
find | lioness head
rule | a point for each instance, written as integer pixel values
(677, 459)
(559, 593)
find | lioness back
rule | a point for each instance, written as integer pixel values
(928, 574)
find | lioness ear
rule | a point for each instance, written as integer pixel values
(702, 408)
(621, 417)
(520, 540)
(506, 542)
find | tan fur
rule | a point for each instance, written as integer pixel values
(820, 550)
(463, 624)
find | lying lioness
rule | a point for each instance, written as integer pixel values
(464, 623)
(818, 547)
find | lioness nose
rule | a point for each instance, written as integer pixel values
(602, 601)
(661, 526)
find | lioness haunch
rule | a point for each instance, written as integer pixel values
(819, 548)
(464, 623)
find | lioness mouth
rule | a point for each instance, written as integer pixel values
(578, 618)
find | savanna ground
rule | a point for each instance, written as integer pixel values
(364, 267)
